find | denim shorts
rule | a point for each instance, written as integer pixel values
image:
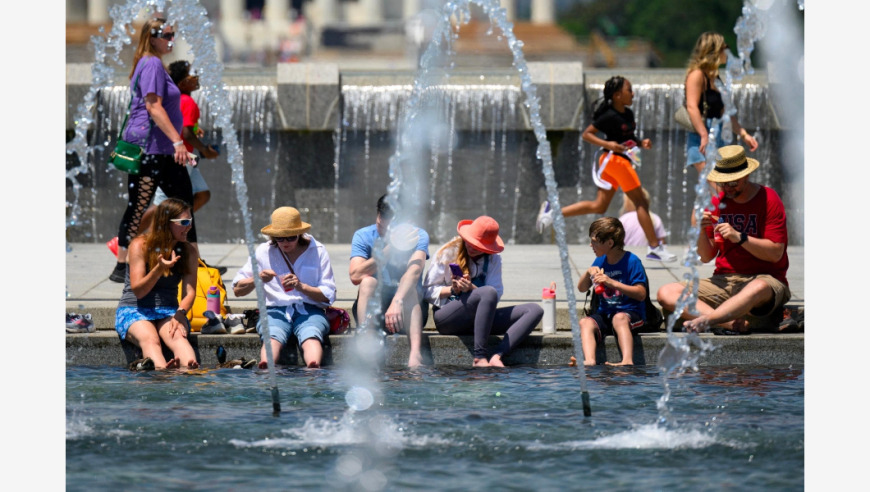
(125, 316)
(196, 180)
(693, 145)
(303, 326)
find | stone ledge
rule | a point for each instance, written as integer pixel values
(103, 348)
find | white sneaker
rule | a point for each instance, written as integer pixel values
(545, 217)
(235, 323)
(659, 253)
(214, 325)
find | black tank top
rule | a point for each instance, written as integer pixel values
(715, 105)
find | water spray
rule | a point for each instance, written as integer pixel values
(192, 23)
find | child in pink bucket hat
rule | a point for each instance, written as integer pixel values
(466, 303)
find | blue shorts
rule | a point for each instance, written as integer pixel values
(196, 180)
(605, 323)
(693, 145)
(304, 326)
(125, 316)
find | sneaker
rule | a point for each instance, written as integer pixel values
(252, 317)
(235, 323)
(659, 253)
(214, 325)
(119, 273)
(112, 244)
(792, 322)
(545, 217)
(145, 364)
(79, 323)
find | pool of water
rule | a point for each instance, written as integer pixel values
(522, 428)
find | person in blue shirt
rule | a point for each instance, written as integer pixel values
(404, 252)
(621, 282)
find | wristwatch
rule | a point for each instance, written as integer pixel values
(743, 238)
(182, 311)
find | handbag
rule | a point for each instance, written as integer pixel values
(339, 320)
(127, 156)
(681, 116)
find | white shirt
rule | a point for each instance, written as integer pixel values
(312, 268)
(440, 276)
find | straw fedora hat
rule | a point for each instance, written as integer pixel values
(482, 233)
(733, 165)
(286, 221)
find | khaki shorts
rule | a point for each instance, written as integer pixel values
(717, 289)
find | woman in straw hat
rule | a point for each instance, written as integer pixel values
(466, 304)
(149, 312)
(298, 283)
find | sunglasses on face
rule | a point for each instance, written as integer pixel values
(288, 238)
(165, 35)
(182, 222)
(730, 184)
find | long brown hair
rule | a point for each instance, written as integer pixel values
(462, 259)
(705, 55)
(149, 29)
(159, 240)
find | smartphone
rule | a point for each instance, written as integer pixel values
(457, 272)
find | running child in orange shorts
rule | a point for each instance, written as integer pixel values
(615, 170)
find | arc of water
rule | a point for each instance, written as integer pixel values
(460, 10)
(192, 23)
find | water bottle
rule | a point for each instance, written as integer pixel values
(213, 300)
(548, 303)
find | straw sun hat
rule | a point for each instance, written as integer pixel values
(482, 233)
(733, 165)
(286, 221)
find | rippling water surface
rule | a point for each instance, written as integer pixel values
(521, 428)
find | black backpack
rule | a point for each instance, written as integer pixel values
(654, 318)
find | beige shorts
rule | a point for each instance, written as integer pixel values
(717, 289)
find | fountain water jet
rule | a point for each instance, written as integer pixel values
(192, 24)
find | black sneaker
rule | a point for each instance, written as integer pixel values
(119, 273)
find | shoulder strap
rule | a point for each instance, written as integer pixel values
(286, 260)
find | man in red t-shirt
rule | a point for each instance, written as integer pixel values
(746, 233)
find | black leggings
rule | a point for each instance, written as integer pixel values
(156, 170)
(475, 313)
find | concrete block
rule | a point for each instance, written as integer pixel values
(308, 95)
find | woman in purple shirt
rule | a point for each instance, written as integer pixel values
(155, 124)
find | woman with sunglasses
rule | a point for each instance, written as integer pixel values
(154, 123)
(464, 284)
(704, 101)
(298, 284)
(149, 311)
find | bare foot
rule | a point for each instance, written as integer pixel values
(263, 365)
(193, 364)
(587, 362)
(415, 360)
(623, 363)
(314, 365)
(172, 364)
(495, 361)
(480, 363)
(572, 362)
(696, 325)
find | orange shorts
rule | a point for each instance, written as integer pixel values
(619, 172)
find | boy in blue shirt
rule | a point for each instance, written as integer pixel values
(620, 281)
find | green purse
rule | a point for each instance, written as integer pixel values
(127, 157)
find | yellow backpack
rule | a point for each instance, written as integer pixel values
(205, 278)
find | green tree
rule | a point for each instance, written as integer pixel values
(672, 26)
